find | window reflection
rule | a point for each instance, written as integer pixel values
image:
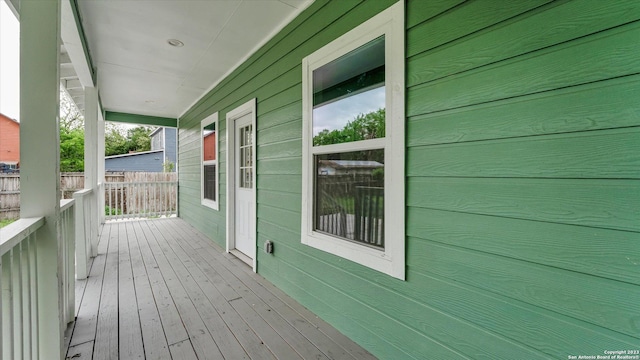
(349, 196)
(349, 96)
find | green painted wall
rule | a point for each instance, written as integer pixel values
(523, 169)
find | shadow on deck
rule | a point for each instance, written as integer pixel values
(159, 289)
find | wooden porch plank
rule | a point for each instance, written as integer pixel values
(248, 340)
(253, 309)
(170, 279)
(321, 333)
(106, 341)
(129, 332)
(83, 351)
(172, 324)
(87, 318)
(201, 339)
(216, 315)
(256, 288)
(183, 350)
(81, 285)
(153, 337)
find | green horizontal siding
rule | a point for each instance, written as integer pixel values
(523, 143)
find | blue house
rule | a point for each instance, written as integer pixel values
(163, 151)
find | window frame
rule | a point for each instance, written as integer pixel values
(213, 204)
(391, 259)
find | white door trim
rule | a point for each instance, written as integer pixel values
(244, 109)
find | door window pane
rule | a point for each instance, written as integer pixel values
(245, 161)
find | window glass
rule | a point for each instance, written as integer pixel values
(349, 196)
(246, 159)
(345, 92)
(210, 182)
(209, 142)
(210, 161)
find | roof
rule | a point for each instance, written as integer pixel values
(133, 154)
(3, 116)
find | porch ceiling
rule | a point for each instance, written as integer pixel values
(138, 72)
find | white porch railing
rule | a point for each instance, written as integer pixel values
(20, 298)
(126, 200)
(86, 230)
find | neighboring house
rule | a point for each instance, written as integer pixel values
(147, 161)
(9, 142)
(163, 152)
(164, 138)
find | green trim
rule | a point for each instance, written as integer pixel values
(83, 39)
(139, 119)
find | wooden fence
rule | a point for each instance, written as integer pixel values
(70, 183)
(9, 196)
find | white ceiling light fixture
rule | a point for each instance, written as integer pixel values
(175, 43)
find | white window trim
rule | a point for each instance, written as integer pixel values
(391, 260)
(211, 119)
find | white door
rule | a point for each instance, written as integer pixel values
(245, 225)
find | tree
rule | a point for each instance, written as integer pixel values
(363, 127)
(71, 150)
(114, 142)
(71, 135)
(136, 139)
(139, 139)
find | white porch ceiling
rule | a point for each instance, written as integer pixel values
(138, 72)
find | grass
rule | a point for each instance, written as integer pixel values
(6, 222)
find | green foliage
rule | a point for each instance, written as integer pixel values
(109, 211)
(114, 142)
(71, 150)
(5, 222)
(363, 127)
(168, 166)
(71, 136)
(137, 139)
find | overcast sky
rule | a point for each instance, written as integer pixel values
(9, 63)
(336, 115)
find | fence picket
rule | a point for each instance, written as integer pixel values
(141, 199)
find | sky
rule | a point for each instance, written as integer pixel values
(336, 115)
(9, 63)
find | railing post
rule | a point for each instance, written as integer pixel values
(81, 237)
(6, 310)
(70, 282)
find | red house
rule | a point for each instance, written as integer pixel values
(9, 141)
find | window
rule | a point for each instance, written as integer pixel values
(353, 145)
(157, 142)
(209, 137)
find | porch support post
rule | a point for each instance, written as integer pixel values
(101, 178)
(91, 161)
(40, 159)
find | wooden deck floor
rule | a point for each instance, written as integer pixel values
(158, 289)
